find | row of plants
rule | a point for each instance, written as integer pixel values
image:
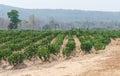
(55, 46)
(31, 51)
(40, 50)
(70, 46)
(6, 52)
(4, 39)
(43, 49)
(97, 39)
(23, 41)
(27, 40)
(14, 37)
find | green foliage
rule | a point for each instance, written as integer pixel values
(66, 51)
(43, 53)
(53, 48)
(69, 46)
(14, 20)
(86, 46)
(99, 46)
(31, 40)
(5, 53)
(31, 51)
(16, 58)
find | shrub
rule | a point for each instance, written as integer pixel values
(71, 44)
(99, 46)
(43, 53)
(106, 40)
(16, 58)
(5, 53)
(86, 46)
(54, 48)
(30, 51)
(66, 51)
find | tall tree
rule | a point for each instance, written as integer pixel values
(14, 19)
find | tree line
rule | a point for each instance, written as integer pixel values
(33, 22)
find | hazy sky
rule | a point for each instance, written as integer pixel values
(99, 5)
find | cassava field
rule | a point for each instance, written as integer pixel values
(76, 52)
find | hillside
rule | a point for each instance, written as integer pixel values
(73, 18)
(63, 15)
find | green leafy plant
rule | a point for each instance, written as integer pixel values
(99, 46)
(43, 53)
(5, 53)
(86, 46)
(16, 58)
(30, 51)
(69, 46)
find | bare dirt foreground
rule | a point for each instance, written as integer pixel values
(106, 63)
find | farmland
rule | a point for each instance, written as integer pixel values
(28, 44)
(18, 46)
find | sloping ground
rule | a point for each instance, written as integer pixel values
(106, 63)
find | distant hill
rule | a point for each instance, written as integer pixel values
(61, 15)
(65, 16)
